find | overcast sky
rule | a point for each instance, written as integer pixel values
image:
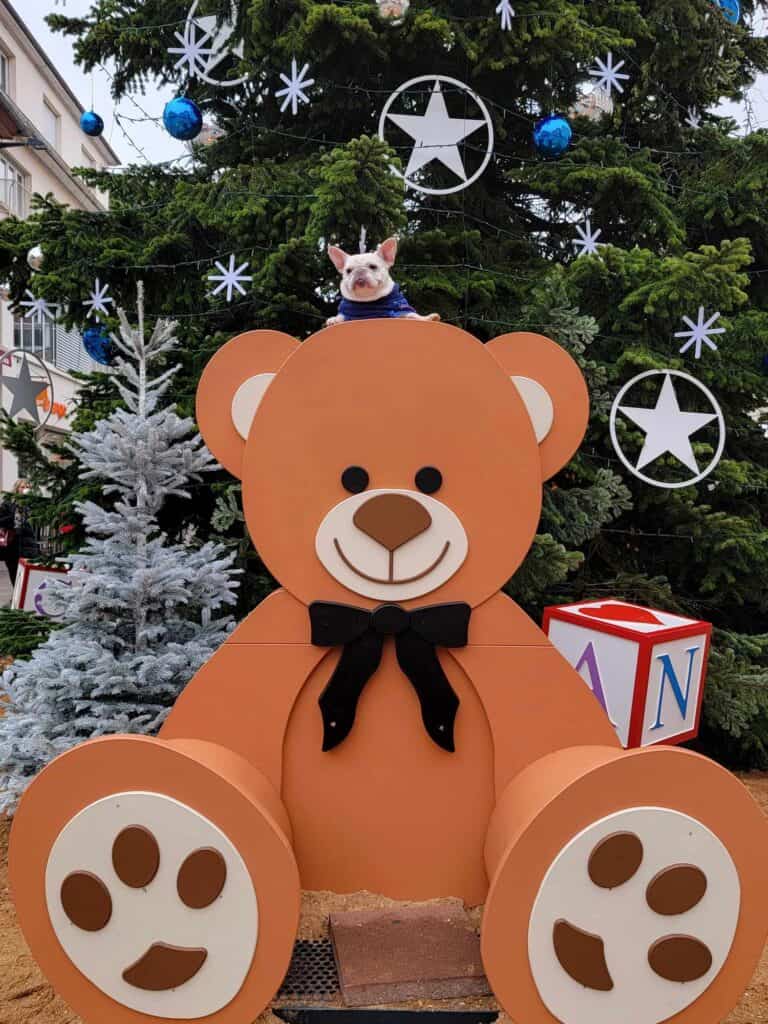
(152, 138)
(155, 142)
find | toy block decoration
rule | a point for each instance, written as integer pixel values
(392, 721)
(645, 667)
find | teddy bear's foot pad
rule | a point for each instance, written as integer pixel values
(155, 880)
(629, 880)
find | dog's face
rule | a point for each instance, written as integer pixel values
(365, 277)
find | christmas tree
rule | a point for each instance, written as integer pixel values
(678, 221)
(140, 615)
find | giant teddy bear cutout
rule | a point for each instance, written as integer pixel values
(391, 721)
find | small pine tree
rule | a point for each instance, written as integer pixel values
(140, 615)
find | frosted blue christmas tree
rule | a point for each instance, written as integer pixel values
(140, 615)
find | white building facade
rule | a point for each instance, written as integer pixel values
(37, 106)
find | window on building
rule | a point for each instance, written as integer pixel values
(5, 72)
(51, 126)
(36, 337)
(13, 187)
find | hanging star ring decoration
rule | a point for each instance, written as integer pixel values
(436, 135)
(99, 300)
(608, 75)
(25, 389)
(206, 43)
(295, 88)
(668, 428)
(587, 242)
(699, 333)
(231, 278)
(38, 309)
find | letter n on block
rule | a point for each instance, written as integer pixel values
(645, 667)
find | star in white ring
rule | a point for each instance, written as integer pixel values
(668, 428)
(437, 135)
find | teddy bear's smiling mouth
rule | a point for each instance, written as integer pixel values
(165, 967)
(391, 580)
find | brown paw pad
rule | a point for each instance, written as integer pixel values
(582, 956)
(165, 967)
(676, 890)
(136, 857)
(86, 901)
(201, 879)
(615, 860)
(680, 958)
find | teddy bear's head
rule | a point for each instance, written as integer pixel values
(389, 460)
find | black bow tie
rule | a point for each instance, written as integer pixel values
(362, 634)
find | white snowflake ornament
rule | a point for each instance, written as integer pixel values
(587, 242)
(38, 309)
(608, 74)
(99, 300)
(699, 333)
(506, 12)
(693, 120)
(294, 88)
(194, 53)
(231, 278)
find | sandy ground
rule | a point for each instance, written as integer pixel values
(26, 998)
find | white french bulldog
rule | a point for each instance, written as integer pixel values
(368, 292)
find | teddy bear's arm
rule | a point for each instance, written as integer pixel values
(535, 701)
(243, 696)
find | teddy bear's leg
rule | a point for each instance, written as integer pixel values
(625, 886)
(156, 879)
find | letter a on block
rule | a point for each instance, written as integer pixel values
(669, 675)
(588, 660)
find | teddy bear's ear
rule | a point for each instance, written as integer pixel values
(231, 388)
(553, 389)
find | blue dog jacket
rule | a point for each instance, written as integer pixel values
(392, 305)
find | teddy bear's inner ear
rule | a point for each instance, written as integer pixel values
(247, 400)
(540, 406)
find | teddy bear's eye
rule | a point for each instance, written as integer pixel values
(355, 479)
(429, 479)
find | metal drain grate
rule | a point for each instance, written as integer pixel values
(312, 974)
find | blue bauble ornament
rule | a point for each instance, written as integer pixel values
(182, 118)
(98, 344)
(92, 124)
(731, 10)
(552, 135)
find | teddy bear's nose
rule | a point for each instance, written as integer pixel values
(392, 519)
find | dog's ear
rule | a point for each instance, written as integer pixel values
(338, 257)
(388, 251)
